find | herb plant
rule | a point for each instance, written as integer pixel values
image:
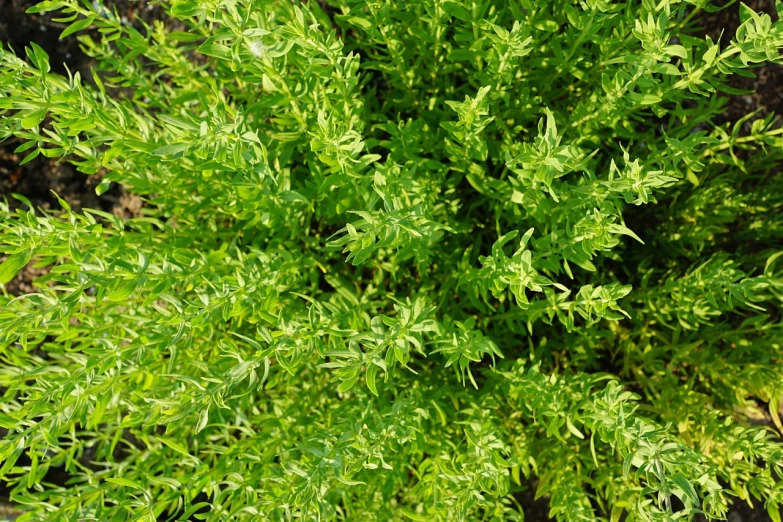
(396, 261)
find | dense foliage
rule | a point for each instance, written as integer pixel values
(397, 261)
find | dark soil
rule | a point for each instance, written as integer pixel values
(40, 178)
(767, 94)
(18, 29)
(535, 509)
(37, 179)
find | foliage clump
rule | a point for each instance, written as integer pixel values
(397, 261)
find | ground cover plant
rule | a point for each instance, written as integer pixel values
(396, 261)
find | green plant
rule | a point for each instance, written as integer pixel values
(395, 261)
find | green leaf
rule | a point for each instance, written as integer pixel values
(360, 22)
(348, 383)
(650, 99)
(215, 50)
(124, 482)
(30, 157)
(771, 262)
(171, 150)
(13, 264)
(369, 376)
(676, 50)
(774, 408)
(409, 514)
(122, 291)
(12, 456)
(711, 54)
(572, 429)
(616, 228)
(685, 485)
(203, 419)
(456, 10)
(7, 422)
(38, 57)
(691, 176)
(77, 26)
(33, 118)
(176, 446)
(46, 6)
(773, 510)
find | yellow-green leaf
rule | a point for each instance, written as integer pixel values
(176, 446)
(12, 265)
(124, 482)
